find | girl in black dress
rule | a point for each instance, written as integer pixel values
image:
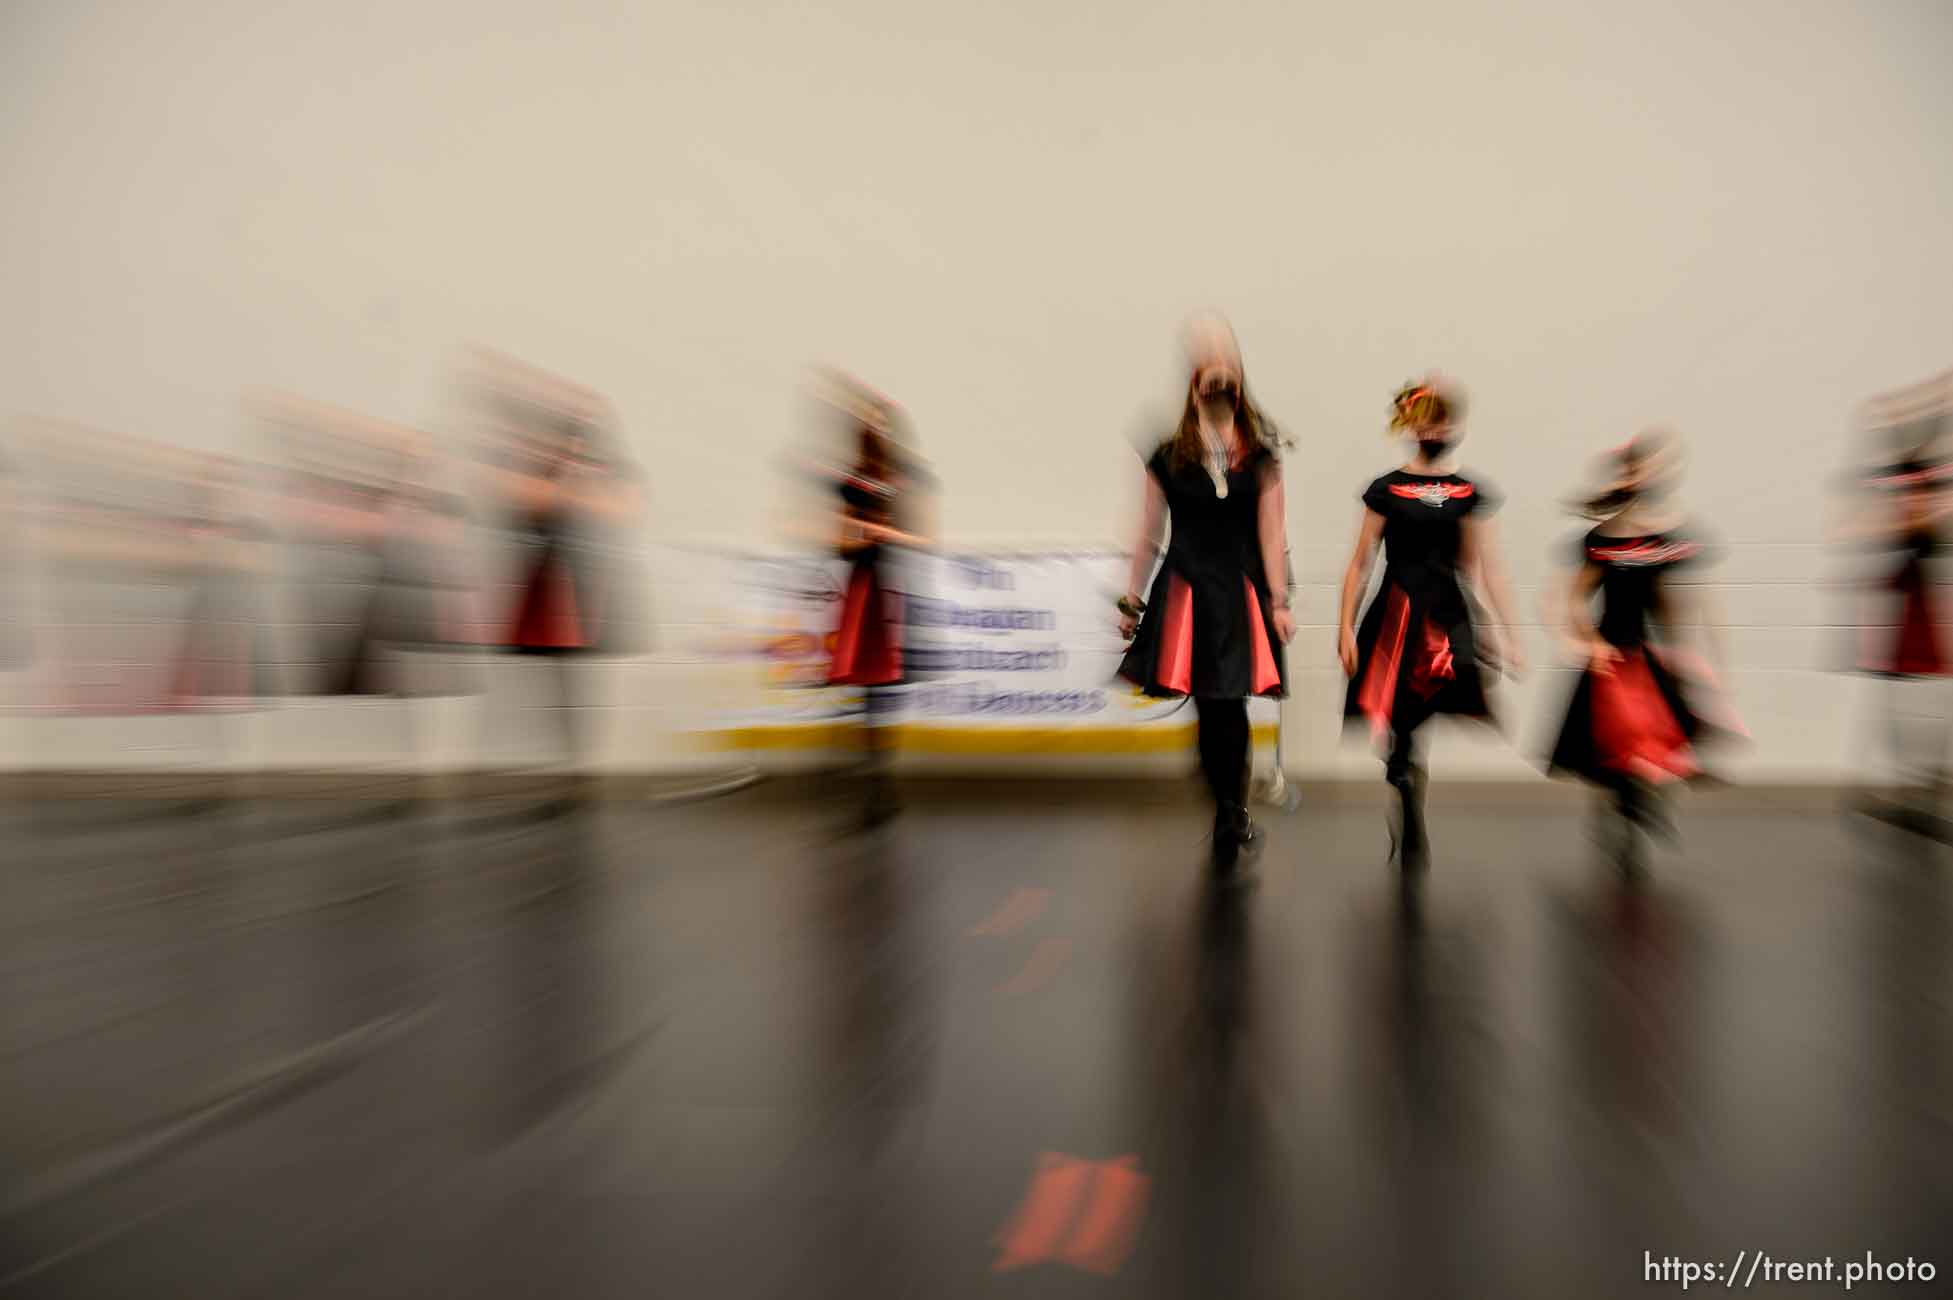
(14, 652)
(875, 500)
(1630, 727)
(373, 545)
(1418, 651)
(221, 655)
(1217, 616)
(565, 484)
(1904, 505)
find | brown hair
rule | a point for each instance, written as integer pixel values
(1258, 432)
(1618, 467)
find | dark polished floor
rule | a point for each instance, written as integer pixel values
(1003, 1047)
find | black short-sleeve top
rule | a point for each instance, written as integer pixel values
(1424, 515)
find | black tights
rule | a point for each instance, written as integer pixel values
(878, 709)
(1397, 769)
(1224, 748)
(572, 728)
(1630, 800)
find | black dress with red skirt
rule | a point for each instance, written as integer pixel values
(1416, 651)
(867, 647)
(1634, 721)
(1208, 630)
(557, 612)
(1914, 648)
(1901, 633)
(408, 604)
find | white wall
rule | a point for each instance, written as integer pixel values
(1729, 217)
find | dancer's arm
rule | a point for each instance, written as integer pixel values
(1690, 611)
(605, 493)
(1146, 547)
(924, 510)
(920, 534)
(895, 536)
(857, 534)
(1881, 515)
(363, 521)
(1273, 528)
(1707, 611)
(852, 533)
(1485, 561)
(523, 492)
(1356, 580)
(1582, 639)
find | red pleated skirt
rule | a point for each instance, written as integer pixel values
(1631, 721)
(1174, 654)
(1416, 655)
(549, 617)
(867, 642)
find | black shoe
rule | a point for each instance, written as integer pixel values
(1631, 856)
(880, 800)
(557, 808)
(1230, 833)
(1409, 843)
(1659, 822)
(1647, 809)
(1252, 839)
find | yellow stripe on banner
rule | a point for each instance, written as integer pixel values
(916, 739)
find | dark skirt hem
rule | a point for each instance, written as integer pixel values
(1196, 640)
(1634, 723)
(868, 635)
(1416, 659)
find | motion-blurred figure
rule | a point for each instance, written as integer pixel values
(1216, 618)
(1419, 652)
(877, 503)
(15, 626)
(1899, 517)
(221, 655)
(1635, 724)
(373, 537)
(563, 483)
(150, 558)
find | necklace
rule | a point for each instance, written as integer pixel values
(1217, 462)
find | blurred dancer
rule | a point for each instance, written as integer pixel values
(375, 547)
(14, 643)
(1217, 616)
(875, 516)
(422, 609)
(1418, 652)
(151, 563)
(220, 658)
(1629, 726)
(561, 481)
(1905, 503)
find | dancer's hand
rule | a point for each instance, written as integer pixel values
(1128, 625)
(1346, 649)
(1511, 657)
(1285, 625)
(1690, 666)
(1601, 657)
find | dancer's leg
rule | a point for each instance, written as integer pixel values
(1223, 742)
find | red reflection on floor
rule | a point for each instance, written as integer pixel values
(1077, 1212)
(1046, 961)
(1019, 910)
(1109, 1226)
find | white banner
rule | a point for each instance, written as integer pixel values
(1005, 650)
